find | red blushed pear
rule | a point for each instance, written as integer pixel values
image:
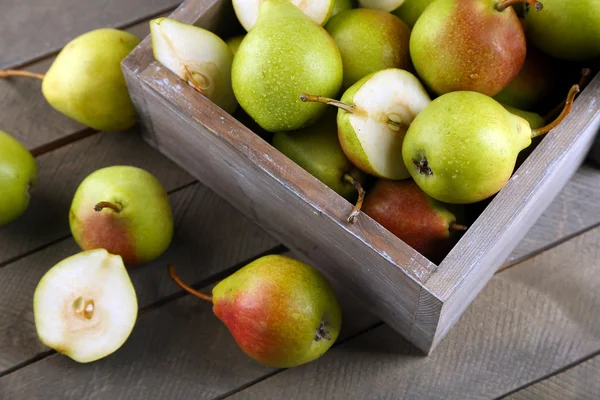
(124, 210)
(469, 45)
(281, 312)
(425, 224)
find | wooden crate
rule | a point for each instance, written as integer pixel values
(417, 298)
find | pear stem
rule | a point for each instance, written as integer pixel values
(585, 78)
(106, 204)
(566, 110)
(361, 197)
(189, 289)
(504, 4)
(320, 99)
(7, 73)
(454, 227)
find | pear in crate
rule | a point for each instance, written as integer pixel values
(369, 41)
(425, 224)
(86, 82)
(568, 30)
(18, 176)
(197, 56)
(473, 45)
(271, 326)
(85, 307)
(373, 116)
(124, 210)
(284, 55)
(411, 10)
(247, 11)
(463, 147)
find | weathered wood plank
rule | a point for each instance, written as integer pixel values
(210, 236)
(25, 114)
(529, 321)
(180, 350)
(59, 21)
(581, 382)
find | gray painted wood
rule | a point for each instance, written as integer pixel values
(529, 321)
(61, 172)
(59, 21)
(210, 237)
(581, 382)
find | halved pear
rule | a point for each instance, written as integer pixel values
(197, 56)
(374, 115)
(85, 307)
(318, 10)
(383, 5)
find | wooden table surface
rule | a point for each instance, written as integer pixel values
(533, 333)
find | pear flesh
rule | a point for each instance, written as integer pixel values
(385, 102)
(197, 56)
(383, 5)
(247, 10)
(85, 307)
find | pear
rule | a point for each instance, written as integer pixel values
(567, 29)
(463, 147)
(283, 56)
(247, 11)
(124, 210)
(342, 5)
(197, 56)
(468, 45)
(18, 176)
(86, 82)
(535, 120)
(281, 312)
(85, 307)
(382, 5)
(234, 43)
(317, 150)
(425, 224)
(373, 116)
(369, 41)
(411, 10)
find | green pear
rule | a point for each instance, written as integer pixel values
(463, 147)
(234, 43)
(411, 10)
(425, 224)
(85, 82)
(247, 11)
(342, 5)
(124, 210)
(281, 312)
(468, 45)
(567, 29)
(373, 116)
(85, 307)
(197, 56)
(317, 150)
(382, 5)
(18, 176)
(369, 41)
(284, 55)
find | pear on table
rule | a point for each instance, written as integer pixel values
(270, 326)
(85, 307)
(197, 56)
(18, 177)
(425, 224)
(284, 55)
(86, 82)
(369, 41)
(463, 147)
(247, 11)
(373, 116)
(124, 210)
(471, 45)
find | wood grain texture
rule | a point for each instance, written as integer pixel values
(61, 172)
(59, 21)
(529, 321)
(210, 236)
(26, 115)
(581, 382)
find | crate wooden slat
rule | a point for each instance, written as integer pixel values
(418, 299)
